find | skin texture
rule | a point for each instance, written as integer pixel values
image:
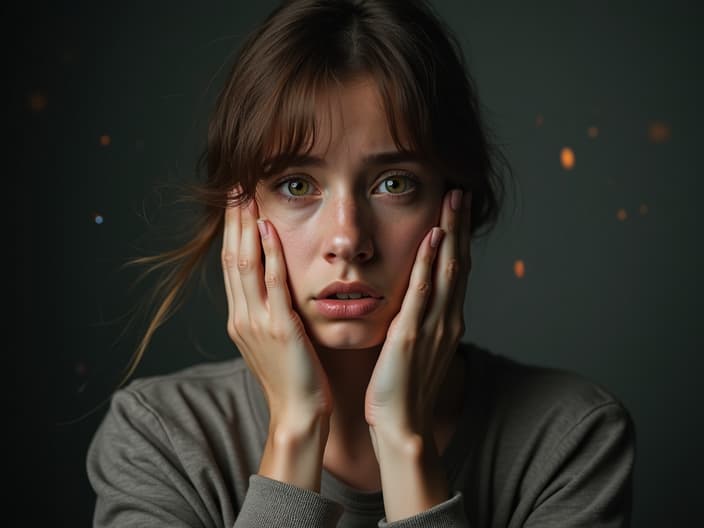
(342, 229)
(380, 376)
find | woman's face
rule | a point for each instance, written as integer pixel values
(348, 217)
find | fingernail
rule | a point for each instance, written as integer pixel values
(436, 237)
(263, 227)
(455, 199)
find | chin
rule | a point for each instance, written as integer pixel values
(348, 335)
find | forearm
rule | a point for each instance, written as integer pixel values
(294, 454)
(412, 477)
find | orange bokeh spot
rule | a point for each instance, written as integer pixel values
(37, 102)
(621, 214)
(105, 140)
(567, 158)
(659, 132)
(519, 269)
(593, 132)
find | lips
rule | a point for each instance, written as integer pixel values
(350, 309)
(347, 300)
(348, 291)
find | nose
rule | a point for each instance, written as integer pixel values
(348, 231)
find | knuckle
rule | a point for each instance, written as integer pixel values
(271, 280)
(456, 329)
(409, 339)
(244, 264)
(440, 328)
(452, 269)
(279, 332)
(238, 325)
(423, 288)
(228, 259)
(427, 257)
(232, 332)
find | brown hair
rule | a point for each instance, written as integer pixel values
(269, 98)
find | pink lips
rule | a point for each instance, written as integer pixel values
(346, 309)
(328, 306)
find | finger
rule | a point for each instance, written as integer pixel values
(230, 249)
(465, 229)
(447, 267)
(465, 245)
(249, 262)
(420, 284)
(275, 278)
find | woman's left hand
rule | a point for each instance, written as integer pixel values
(424, 335)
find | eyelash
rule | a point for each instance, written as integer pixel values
(413, 182)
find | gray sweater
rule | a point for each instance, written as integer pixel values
(534, 447)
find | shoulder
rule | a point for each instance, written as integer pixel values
(185, 440)
(215, 393)
(552, 442)
(193, 381)
(538, 417)
(527, 394)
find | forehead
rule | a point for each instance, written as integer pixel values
(352, 114)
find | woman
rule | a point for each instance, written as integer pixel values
(348, 169)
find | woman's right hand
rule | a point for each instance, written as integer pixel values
(262, 323)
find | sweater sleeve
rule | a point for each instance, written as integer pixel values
(141, 480)
(272, 503)
(589, 478)
(448, 514)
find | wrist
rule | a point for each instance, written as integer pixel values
(412, 476)
(293, 452)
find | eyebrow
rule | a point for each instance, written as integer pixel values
(379, 158)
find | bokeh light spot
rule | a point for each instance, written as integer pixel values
(539, 120)
(643, 209)
(105, 140)
(659, 132)
(567, 158)
(621, 214)
(37, 102)
(593, 132)
(98, 218)
(519, 268)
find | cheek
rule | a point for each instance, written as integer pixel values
(297, 249)
(401, 240)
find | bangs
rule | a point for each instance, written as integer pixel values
(292, 128)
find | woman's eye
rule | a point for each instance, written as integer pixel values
(295, 187)
(397, 184)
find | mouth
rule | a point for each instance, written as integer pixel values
(348, 296)
(348, 291)
(347, 306)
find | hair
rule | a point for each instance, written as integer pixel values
(269, 98)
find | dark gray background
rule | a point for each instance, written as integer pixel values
(618, 301)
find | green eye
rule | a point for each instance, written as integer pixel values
(399, 184)
(297, 187)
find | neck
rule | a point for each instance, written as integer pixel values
(349, 372)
